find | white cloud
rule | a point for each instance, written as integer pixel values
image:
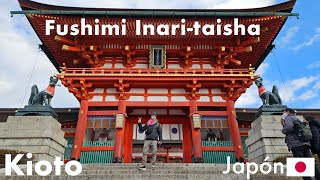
(317, 86)
(299, 83)
(19, 49)
(240, 4)
(293, 88)
(306, 95)
(5, 85)
(297, 90)
(314, 65)
(309, 41)
(262, 69)
(251, 97)
(289, 34)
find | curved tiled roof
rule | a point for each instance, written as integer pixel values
(54, 51)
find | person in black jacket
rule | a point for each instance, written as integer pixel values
(315, 129)
(153, 133)
(298, 148)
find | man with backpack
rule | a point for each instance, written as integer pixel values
(315, 129)
(298, 135)
(153, 133)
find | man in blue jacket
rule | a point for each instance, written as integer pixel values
(153, 133)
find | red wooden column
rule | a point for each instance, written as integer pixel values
(128, 143)
(167, 156)
(234, 130)
(196, 135)
(80, 130)
(187, 143)
(118, 145)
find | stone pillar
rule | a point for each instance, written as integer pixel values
(80, 130)
(40, 135)
(234, 131)
(266, 139)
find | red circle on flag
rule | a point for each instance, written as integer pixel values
(300, 167)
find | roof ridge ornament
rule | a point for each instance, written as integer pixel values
(154, 12)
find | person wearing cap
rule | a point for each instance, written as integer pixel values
(292, 141)
(295, 145)
(153, 133)
(315, 129)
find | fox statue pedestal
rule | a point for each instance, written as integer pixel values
(40, 135)
(276, 109)
(266, 139)
(37, 110)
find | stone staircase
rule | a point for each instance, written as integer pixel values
(162, 171)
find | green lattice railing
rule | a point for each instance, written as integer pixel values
(217, 143)
(218, 157)
(96, 157)
(68, 150)
(244, 146)
(98, 143)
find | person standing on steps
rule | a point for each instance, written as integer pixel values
(153, 133)
(315, 129)
(299, 147)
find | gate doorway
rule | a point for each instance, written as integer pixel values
(174, 137)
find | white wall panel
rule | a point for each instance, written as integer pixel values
(111, 98)
(175, 132)
(157, 91)
(217, 99)
(158, 98)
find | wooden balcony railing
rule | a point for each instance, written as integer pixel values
(158, 71)
(155, 72)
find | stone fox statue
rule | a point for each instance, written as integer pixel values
(43, 97)
(268, 98)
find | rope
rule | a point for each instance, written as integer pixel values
(34, 65)
(275, 58)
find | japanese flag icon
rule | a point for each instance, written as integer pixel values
(300, 167)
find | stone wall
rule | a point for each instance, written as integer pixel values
(40, 135)
(266, 139)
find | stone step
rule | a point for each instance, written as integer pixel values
(151, 176)
(129, 170)
(133, 171)
(160, 166)
(134, 166)
(216, 168)
(162, 171)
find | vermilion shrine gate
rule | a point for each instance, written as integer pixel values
(192, 86)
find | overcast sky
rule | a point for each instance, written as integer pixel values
(296, 53)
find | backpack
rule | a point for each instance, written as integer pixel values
(302, 131)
